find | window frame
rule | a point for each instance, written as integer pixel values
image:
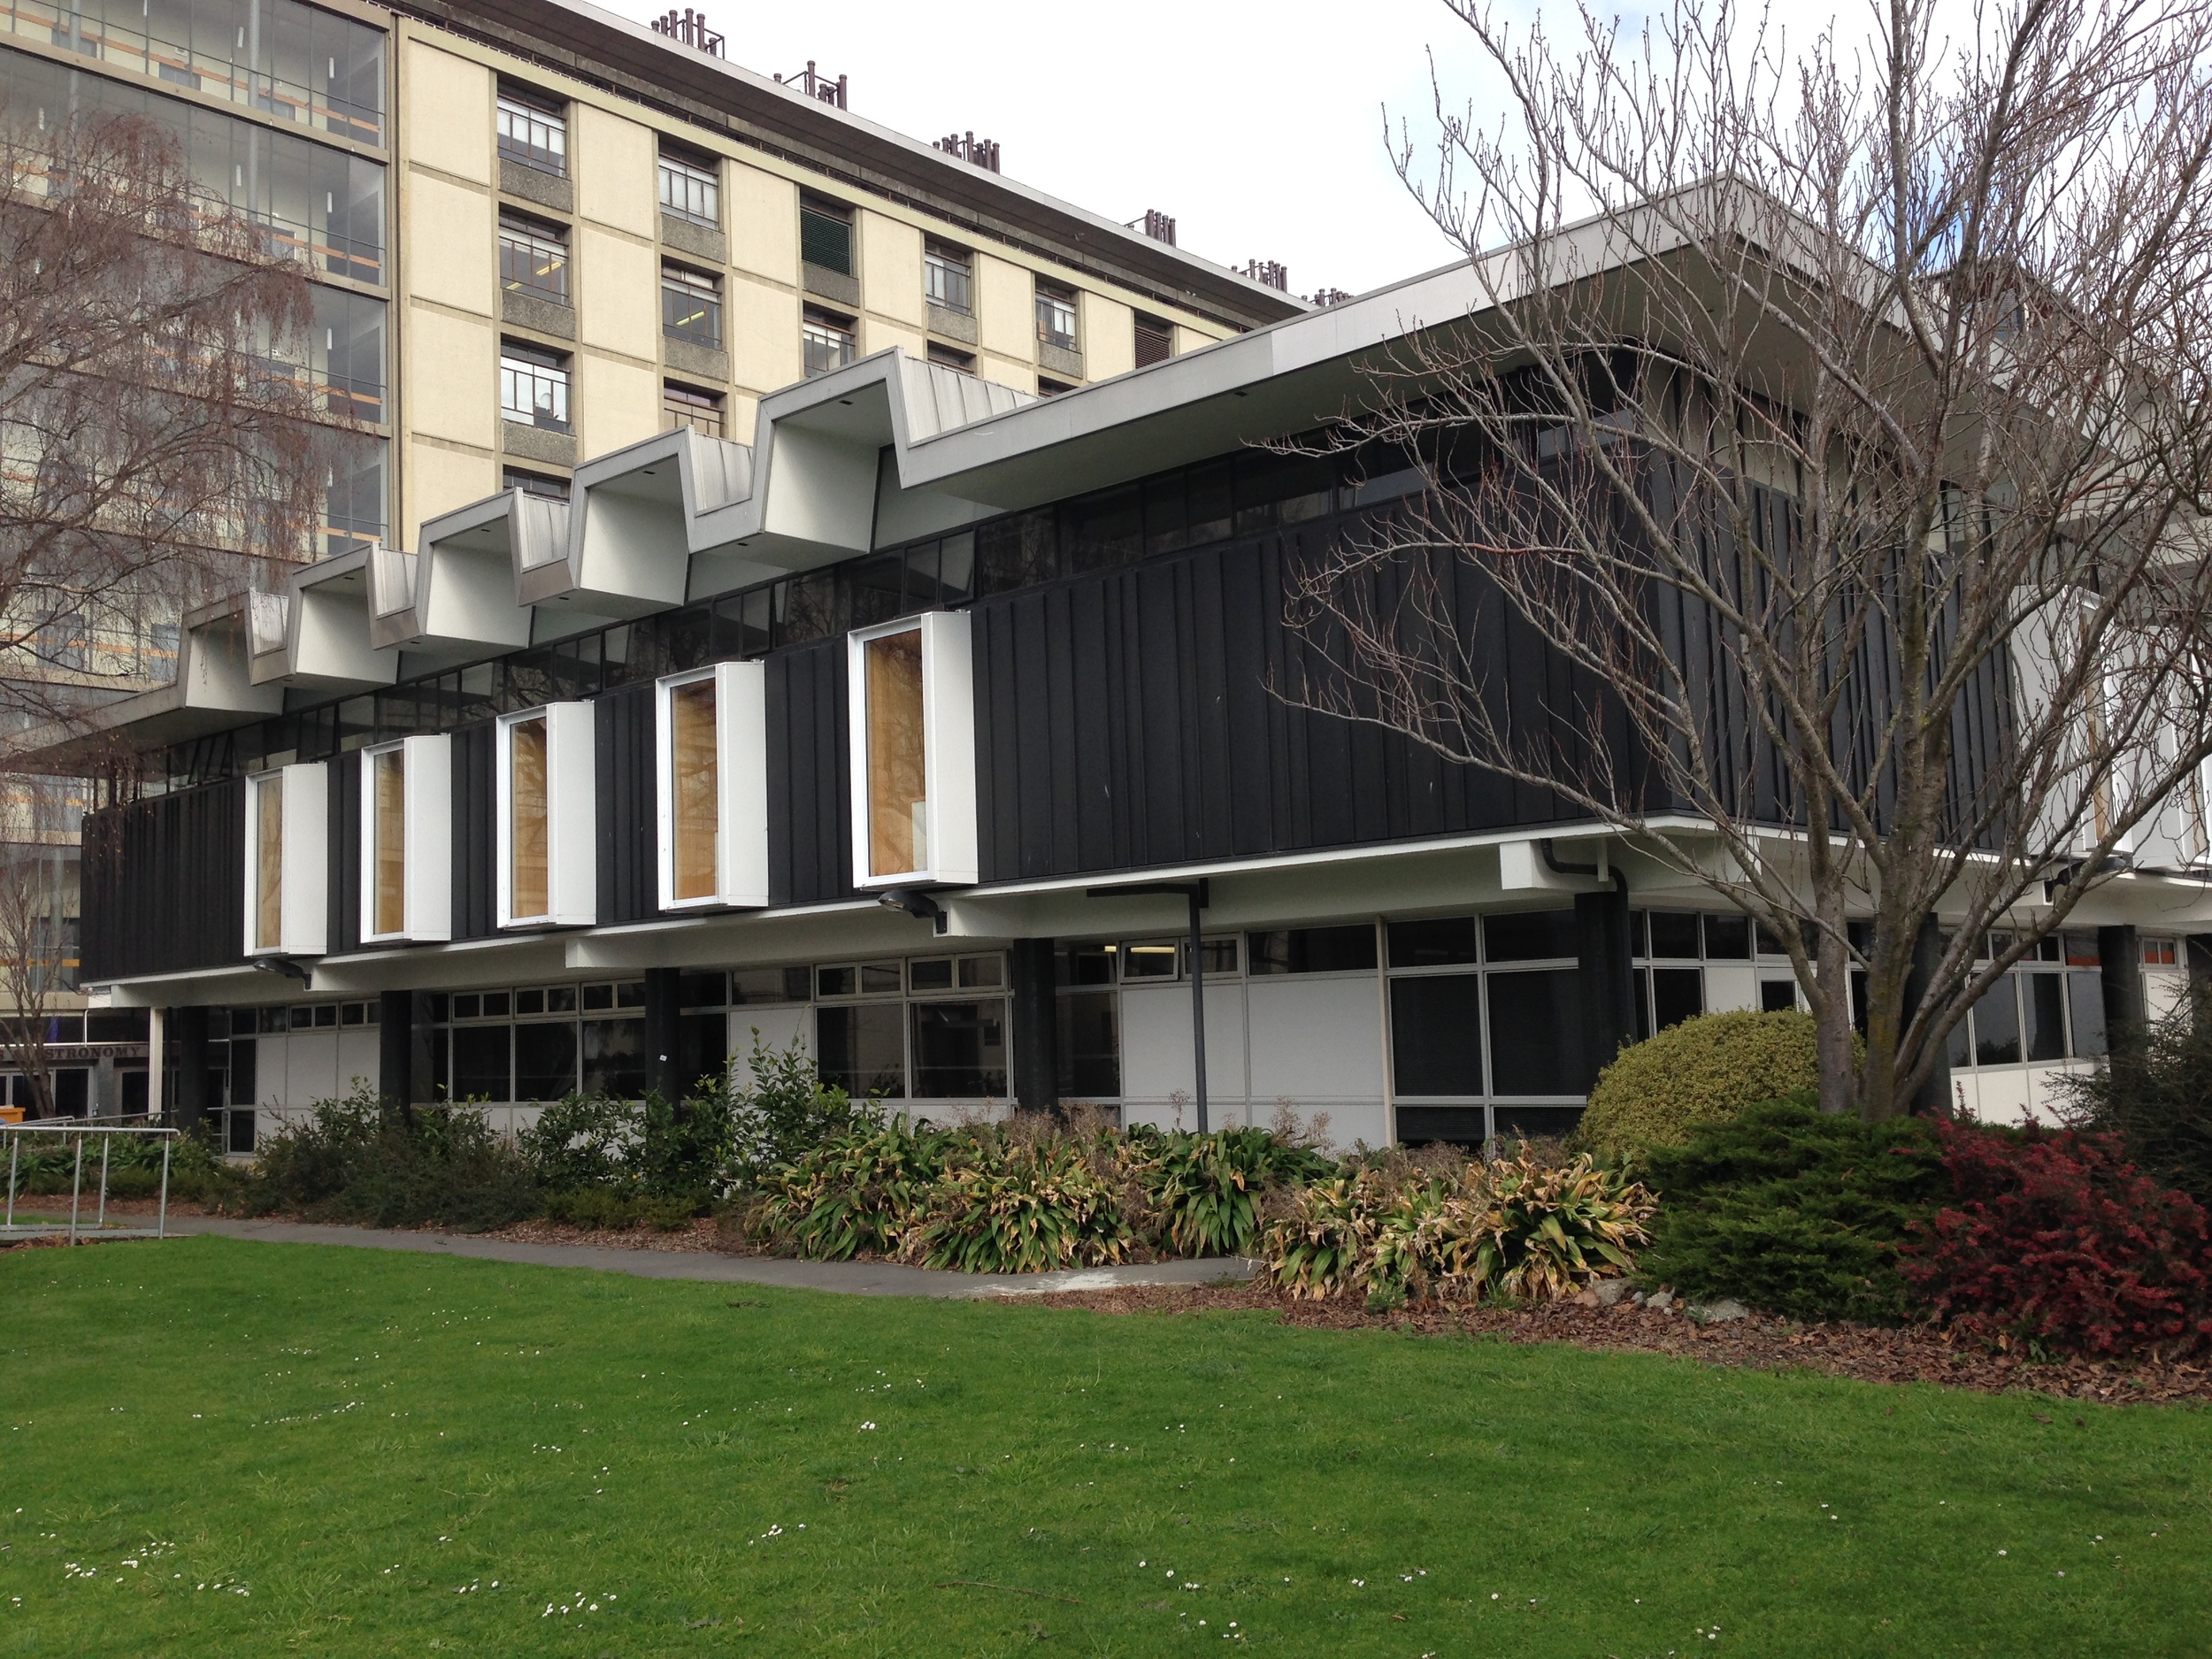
(699, 177)
(741, 786)
(946, 258)
(702, 287)
(813, 319)
(1054, 297)
(426, 840)
(302, 860)
(678, 402)
(532, 110)
(531, 236)
(519, 360)
(571, 816)
(948, 678)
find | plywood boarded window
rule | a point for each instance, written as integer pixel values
(898, 804)
(389, 772)
(694, 810)
(268, 917)
(528, 893)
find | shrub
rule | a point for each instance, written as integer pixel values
(1702, 1071)
(786, 1112)
(1794, 1210)
(1203, 1193)
(1523, 1228)
(2056, 1243)
(2156, 1093)
(609, 1209)
(1014, 1205)
(355, 1160)
(857, 1192)
(581, 1142)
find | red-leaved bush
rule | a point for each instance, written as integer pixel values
(2055, 1238)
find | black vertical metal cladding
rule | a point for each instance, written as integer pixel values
(164, 884)
(344, 887)
(810, 845)
(395, 1046)
(2120, 958)
(1603, 953)
(475, 831)
(664, 1072)
(1934, 1097)
(423, 1082)
(1036, 1026)
(189, 1028)
(627, 782)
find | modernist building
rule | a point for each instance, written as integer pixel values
(944, 726)
(539, 234)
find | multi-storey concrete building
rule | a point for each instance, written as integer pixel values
(539, 234)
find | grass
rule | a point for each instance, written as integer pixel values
(217, 1448)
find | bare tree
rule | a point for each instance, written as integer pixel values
(34, 937)
(159, 431)
(1840, 425)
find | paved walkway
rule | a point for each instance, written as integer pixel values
(860, 1279)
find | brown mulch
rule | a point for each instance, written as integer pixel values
(1862, 1352)
(705, 1233)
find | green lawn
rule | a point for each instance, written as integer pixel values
(221, 1449)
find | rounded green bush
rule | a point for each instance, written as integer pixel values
(1702, 1071)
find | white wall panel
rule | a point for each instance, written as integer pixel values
(1156, 1053)
(777, 1026)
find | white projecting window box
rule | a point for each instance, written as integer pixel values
(913, 751)
(711, 748)
(288, 862)
(407, 841)
(549, 867)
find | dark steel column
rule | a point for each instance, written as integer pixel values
(2120, 962)
(1934, 1099)
(188, 1028)
(664, 1034)
(396, 1047)
(1607, 977)
(1198, 896)
(1036, 1034)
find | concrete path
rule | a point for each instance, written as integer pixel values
(860, 1279)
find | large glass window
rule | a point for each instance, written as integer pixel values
(861, 1048)
(533, 130)
(826, 235)
(1536, 1034)
(826, 341)
(1350, 950)
(897, 773)
(682, 406)
(694, 805)
(534, 257)
(960, 1050)
(268, 795)
(388, 807)
(483, 1066)
(1436, 1034)
(948, 277)
(1056, 315)
(691, 306)
(545, 1058)
(528, 890)
(533, 386)
(690, 189)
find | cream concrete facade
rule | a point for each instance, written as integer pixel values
(449, 180)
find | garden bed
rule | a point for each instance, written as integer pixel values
(1865, 1353)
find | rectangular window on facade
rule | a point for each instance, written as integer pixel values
(713, 777)
(1347, 949)
(1156, 340)
(913, 761)
(1056, 315)
(533, 258)
(826, 340)
(691, 188)
(948, 277)
(960, 1050)
(533, 130)
(1536, 1034)
(288, 861)
(681, 406)
(533, 386)
(861, 1048)
(1047, 387)
(1436, 1035)
(691, 305)
(952, 357)
(548, 826)
(533, 483)
(826, 234)
(407, 840)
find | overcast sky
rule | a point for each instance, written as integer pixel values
(1257, 124)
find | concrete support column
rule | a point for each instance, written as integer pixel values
(1607, 978)
(663, 1033)
(1934, 1099)
(187, 1029)
(1036, 1034)
(395, 1047)
(2120, 962)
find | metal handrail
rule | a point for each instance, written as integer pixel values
(79, 1127)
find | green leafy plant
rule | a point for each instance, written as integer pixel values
(1702, 1071)
(606, 1208)
(856, 1193)
(2155, 1092)
(581, 1142)
(1015, 1204)
(785, 1110)
(1314, 1250)
(358, 1160)
(1795, 1211)
(1205, 1193)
